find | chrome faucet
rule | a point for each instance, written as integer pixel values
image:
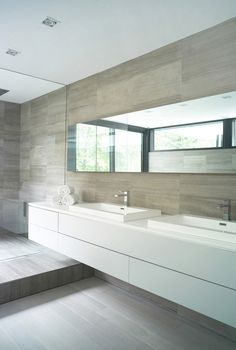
(225, 204)
(125, 195)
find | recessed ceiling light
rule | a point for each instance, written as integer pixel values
(226, 96)
(50, 22)
(12, 52)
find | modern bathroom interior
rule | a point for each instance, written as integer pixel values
(118, 175)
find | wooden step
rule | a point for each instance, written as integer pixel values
(38, 270)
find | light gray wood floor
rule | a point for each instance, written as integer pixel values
(13, 246)
(27, 268)
(93, 315)
(20, 258)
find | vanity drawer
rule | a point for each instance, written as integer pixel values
(43, 218)
(43, 236)
(102, 259)
(207, 298)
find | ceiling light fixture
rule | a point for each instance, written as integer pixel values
(50, 22)
(12, 52)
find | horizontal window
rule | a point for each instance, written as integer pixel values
(205, 135)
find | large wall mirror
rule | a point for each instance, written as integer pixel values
(197, 136)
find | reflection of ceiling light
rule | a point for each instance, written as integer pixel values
(226, 96)
(183, 104)
(12, 52)
(148, 111)
(50, 22)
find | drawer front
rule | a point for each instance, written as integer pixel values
(102, 259)
(43, 218)
(207, 298)
(43, 236)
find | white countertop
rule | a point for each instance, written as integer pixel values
(141, 226)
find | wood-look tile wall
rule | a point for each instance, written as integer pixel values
(9, 152)
(200, 65)
(42, 148)
(196, 161)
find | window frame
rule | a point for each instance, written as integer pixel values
(112, 126)
(147, 141)
(227, 135)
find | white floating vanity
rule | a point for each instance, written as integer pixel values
(196, 271)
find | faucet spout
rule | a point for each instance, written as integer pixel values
(226, 206)
(125, 195)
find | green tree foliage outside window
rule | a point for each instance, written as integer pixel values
(97, 146)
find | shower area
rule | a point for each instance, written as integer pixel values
(14, 247)
(25, 267)
(14, 216)
(13, 211)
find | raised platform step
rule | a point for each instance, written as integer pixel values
(27, 268)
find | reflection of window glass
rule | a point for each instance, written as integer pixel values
(86, 147)
(207, 135)
(92, 148)
(128, 151)
(100, 148)
(103, 148)
(234, 133)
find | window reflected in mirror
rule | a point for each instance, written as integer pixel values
(145, 140)
(205, 135)
(107, 148)
(92, 148)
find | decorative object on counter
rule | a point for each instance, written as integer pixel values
(70, 199)
(64, 196)
(64, 190)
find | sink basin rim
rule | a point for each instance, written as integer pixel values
(173, 224)
(198, 222)
(114, 211)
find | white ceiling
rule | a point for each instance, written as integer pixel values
(92, 35)
(23, 87)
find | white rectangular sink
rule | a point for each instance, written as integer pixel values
(114, 212)
(197, 226)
